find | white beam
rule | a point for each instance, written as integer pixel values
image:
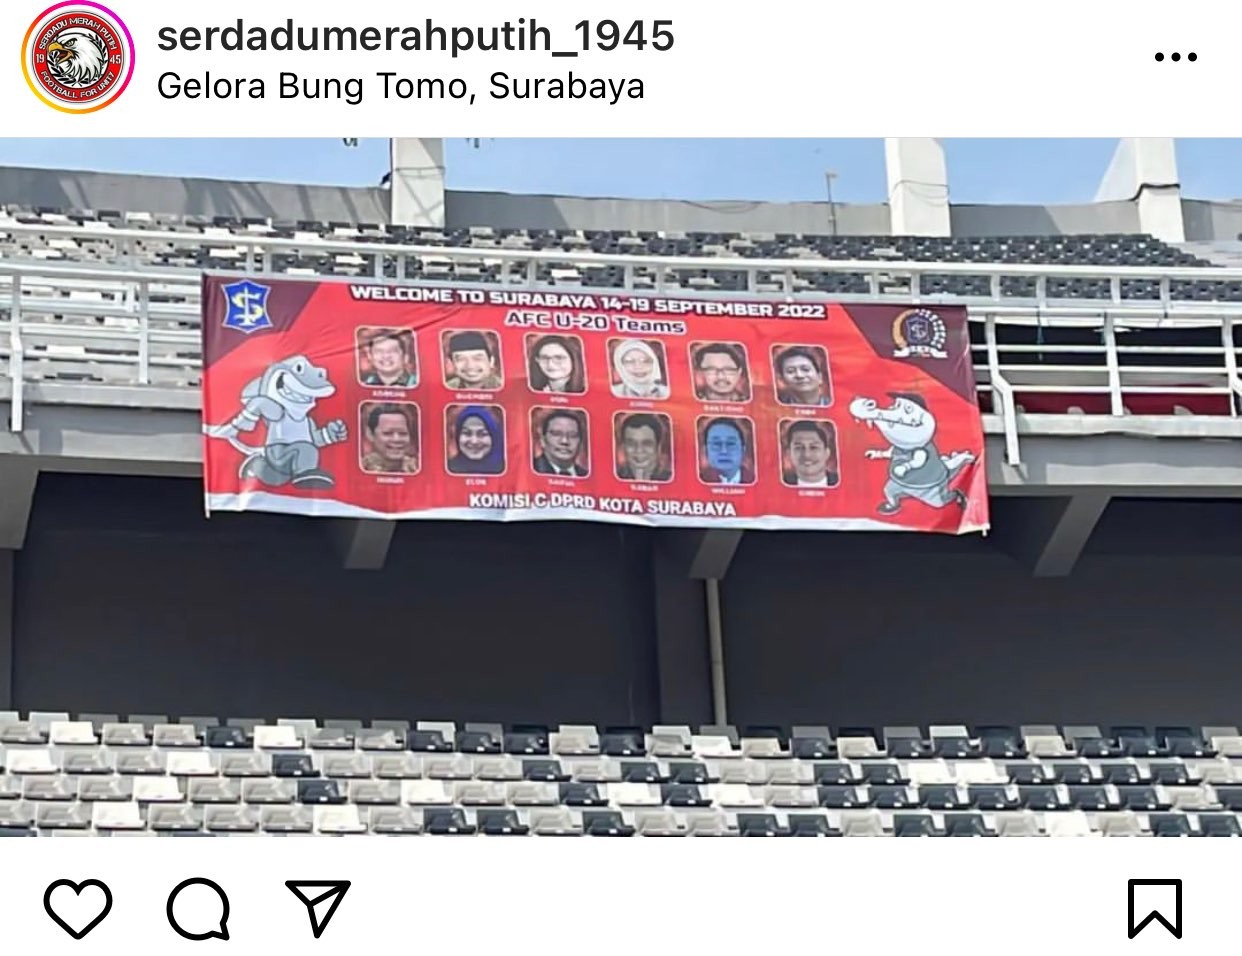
(417, 182)
(1144, 171)
(918, 187)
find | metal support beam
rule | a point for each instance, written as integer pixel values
(1049, 534)
(363, 544)
(714, 553)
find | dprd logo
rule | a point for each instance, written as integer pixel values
(919, 333)
(247, 306)
(78, 56)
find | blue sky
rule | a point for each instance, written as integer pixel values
(980, 170)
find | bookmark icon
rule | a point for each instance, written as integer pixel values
(1154, 901)
(321, 898)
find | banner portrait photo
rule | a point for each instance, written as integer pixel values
(370, 400)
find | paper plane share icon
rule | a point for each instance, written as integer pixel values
(321, 897)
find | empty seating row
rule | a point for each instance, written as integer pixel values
(805, 742)
(66, 788)
(1098, 248)
(186, 820)
(89, 760)
(226, 243)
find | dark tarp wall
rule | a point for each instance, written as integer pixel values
(127, 600)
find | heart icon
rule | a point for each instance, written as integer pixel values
(77, 912)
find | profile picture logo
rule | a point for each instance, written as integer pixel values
(78, 56)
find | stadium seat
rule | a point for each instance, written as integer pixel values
(575, 741)
(555, 821)
(395, 820)
(1170, 825)
(623, 742)
(812, 743)
(214, 790)
(660, 823)
(447, 821)
(606, 823)
(493, 822)
(337, 820)
(1219, 825)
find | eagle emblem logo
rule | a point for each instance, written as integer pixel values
(78, 57)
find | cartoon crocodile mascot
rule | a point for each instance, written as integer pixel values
(916, 469)
(283, 398)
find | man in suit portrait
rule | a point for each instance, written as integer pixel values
(560, 437)
(389, 354)
(722, 370)
(724, 442)
(810, 448)
(642, 447)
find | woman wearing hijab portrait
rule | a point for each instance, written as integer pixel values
(638, 366)
(480, 441)
(554, 366)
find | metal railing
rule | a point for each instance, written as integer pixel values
(107, 324)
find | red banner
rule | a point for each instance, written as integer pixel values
(358, 399)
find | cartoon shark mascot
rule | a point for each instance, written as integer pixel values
(283, 398)
(916, 469)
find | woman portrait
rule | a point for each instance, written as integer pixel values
(638, 370)
(554, 364)
(476, 440)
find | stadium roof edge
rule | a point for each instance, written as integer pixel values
(184, 196)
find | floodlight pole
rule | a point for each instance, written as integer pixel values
(829, 176)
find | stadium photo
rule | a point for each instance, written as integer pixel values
(428, 505)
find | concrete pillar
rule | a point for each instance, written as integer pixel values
(417, 184)
(681, 629)
(918, 187)
(7, 690)
(1144, 171)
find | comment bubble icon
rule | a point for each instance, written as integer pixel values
(198, 910)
